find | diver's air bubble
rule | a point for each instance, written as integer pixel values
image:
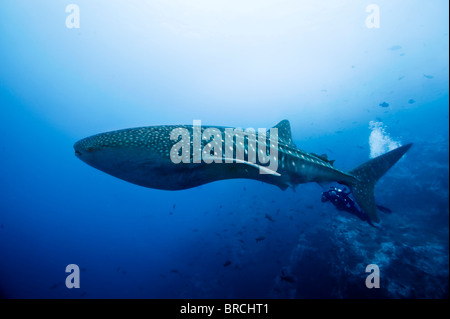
(380, 142)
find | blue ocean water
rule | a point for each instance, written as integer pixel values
(353, 81)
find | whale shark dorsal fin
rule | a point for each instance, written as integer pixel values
(323, 157)
(284, 132)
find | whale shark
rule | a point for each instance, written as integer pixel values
(145, 156)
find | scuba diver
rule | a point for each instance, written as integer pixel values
(343, 202)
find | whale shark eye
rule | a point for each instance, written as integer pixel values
(90, 149)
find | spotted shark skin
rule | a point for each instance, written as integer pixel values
(143, 156)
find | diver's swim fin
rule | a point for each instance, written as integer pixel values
(368, 174)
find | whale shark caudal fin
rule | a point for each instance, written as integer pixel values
(368, 174)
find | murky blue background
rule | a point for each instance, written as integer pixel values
(226, 63)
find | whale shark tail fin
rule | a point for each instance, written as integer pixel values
(368, 174)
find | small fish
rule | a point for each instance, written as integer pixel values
(288, 278)
(395, 47)
(260, 238)
(411, 101)
(428, 76)
(54, 286)
(267, 216)
(384, 104)
(227, 263)
(384, 209)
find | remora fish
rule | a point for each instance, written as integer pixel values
(142, 156)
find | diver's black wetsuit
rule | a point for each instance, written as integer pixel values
(343, 202)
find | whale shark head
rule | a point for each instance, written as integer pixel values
(138, 155)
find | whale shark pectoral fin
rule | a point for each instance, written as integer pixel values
(264, 169)
(261, 168)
